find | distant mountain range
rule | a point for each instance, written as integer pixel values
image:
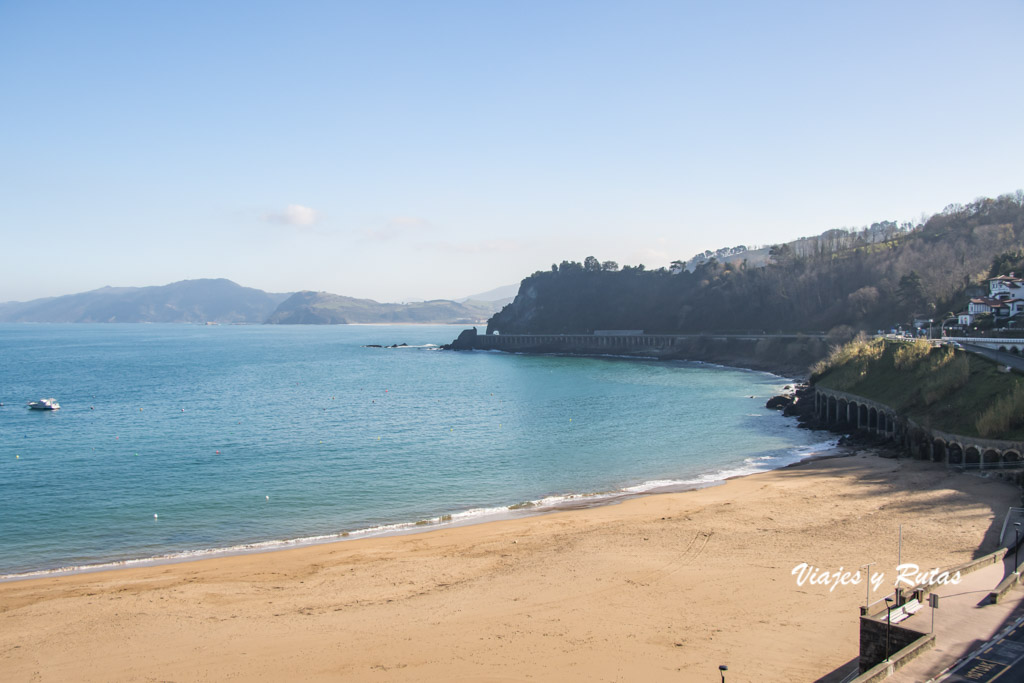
(322, 308)
(223, 301)
(499, 296)
(188, 301)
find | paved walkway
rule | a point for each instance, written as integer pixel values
(964, 621)
(1003, 660)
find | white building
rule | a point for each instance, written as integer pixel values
(1003, 300)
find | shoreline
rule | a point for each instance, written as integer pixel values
(521, 510)
(656, 587)
(789, 372)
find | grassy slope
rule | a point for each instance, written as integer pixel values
(935, 387)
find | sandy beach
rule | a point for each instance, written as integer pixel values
(657, 588)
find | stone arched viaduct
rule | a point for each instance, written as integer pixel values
(841, 410)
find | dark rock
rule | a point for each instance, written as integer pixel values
(778, 402)
(465, 342)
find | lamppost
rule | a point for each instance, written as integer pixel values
(867, 585)
(722, 668)
(1016, 544)
(888, 625)
(942, 327)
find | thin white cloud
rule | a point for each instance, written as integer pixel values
(483, 247)
(396, 227)
(295, 214)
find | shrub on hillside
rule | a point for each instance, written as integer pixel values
(945, 374)
(909, 355)
(850, 360)
(1005, 414)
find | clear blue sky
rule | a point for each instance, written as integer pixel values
(434, 149)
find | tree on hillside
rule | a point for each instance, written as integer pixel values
(868, 278)
(911, 290)
(781, 253)
(1007, 262)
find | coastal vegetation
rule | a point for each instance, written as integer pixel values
(858, 279)
(936, 386)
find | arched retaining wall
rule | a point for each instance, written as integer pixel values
(841, 410)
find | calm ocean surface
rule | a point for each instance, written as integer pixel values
(238, 435)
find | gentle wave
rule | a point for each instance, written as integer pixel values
(751, 465)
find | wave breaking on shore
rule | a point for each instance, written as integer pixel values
(550, 503)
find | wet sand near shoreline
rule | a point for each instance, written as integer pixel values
(659, 587)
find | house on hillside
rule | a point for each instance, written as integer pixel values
(1004, 300)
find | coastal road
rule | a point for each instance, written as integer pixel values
(1015, 362)
(1001, 659)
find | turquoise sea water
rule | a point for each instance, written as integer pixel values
(176, 439)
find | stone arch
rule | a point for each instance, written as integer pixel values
(1014, 350)
(1003, 349)
(924, 450)
(938, 450)
(990, 457)
(1011, 457)
(831, 416)
(972, 455)
(842, 410)
(873, 419)
(918, 443)
(862, 419)
(956, 453)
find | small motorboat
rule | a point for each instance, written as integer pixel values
(44, 404)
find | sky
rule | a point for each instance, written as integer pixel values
(406, 150)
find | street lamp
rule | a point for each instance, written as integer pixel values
(1016, 544)
(867, 585)
(888, 625)
(722, 668)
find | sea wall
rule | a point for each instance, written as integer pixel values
(789, 355)
(843, 411)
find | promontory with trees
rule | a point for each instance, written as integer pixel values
(842, 280)
(820, 290)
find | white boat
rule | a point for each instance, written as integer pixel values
(44, 404)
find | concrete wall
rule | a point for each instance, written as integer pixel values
(872, 640)
(782, 354)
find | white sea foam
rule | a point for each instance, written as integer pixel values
(750, 465)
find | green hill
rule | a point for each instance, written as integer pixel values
(866, 279)
(322, 308)
(938, 387)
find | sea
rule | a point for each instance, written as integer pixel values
(176, 442)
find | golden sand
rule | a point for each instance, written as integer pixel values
(658, 588)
